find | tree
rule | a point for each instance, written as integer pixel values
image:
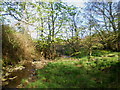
(19, 11)
(105, 26)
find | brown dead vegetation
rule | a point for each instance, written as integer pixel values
(17, 47)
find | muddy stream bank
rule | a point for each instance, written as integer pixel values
(13, 80)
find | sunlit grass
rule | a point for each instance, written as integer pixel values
(78, 73)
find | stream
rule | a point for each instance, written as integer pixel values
(15, 77)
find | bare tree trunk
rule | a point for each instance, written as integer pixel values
(75, 28)
(42, 28)
(53, 33)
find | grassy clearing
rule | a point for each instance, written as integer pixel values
(100, 71)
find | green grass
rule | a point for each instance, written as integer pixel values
(96, 53)
(83, 73)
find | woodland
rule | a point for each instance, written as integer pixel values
(60, 45)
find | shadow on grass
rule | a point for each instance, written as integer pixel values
(114, 72)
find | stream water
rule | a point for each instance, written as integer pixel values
(19, 74)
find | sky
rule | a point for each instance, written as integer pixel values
(78, 3)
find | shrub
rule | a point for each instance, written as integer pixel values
(16, 46)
